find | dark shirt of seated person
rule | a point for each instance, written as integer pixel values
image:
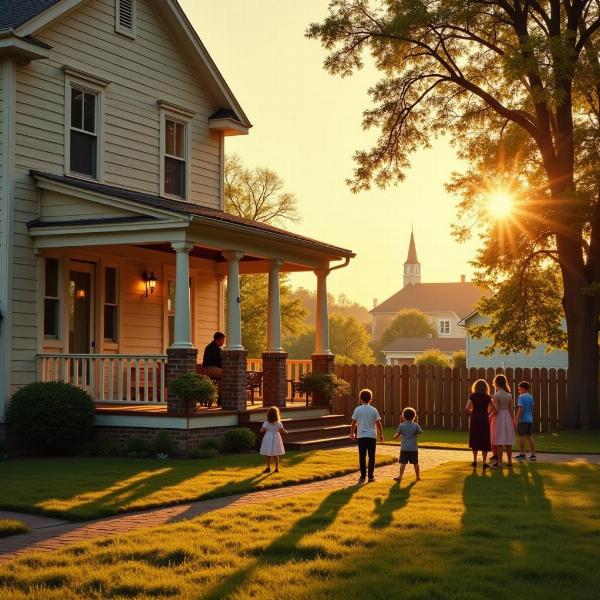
(211, 361)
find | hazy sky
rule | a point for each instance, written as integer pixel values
(307, 125)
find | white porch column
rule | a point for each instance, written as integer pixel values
(182, 337)
(234, 313)
(274, 308)
(322, 314)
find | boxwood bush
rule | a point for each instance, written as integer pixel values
(51, 416)
(239, 439)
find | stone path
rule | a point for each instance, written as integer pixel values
(52, 534)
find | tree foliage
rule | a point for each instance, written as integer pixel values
(516, 85)
(432, 358)
(409, 322)
(338, 305)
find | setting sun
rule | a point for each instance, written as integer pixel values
(500, 204)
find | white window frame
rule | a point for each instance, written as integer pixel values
(183, 116)
(441, 327)
(130, 33)
(92, 85)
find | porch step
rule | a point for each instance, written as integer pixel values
(312, 433)
(324, 421)
(325, 442)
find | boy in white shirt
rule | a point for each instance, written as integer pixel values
(366, 428)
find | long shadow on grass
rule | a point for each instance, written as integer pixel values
(287, 547)
(397, 499)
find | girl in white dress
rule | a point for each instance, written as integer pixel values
(272, 444)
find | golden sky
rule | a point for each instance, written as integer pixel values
(307, 125)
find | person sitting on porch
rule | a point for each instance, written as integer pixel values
(211, 362)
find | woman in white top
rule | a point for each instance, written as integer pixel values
(272, 443)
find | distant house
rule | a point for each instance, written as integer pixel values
(539, 357)
(444, 304)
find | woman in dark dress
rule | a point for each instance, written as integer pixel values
(479, 407)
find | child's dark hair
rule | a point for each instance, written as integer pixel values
(480, 387)
(409, 413)
(500, 381)
(524, 385)
(365, 395)
(273, 415)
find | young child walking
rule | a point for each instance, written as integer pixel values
(409, 429)
(272, 443)
(524, 420)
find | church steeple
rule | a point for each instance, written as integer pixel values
(412, 266)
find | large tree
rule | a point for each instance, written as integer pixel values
(258, 194)
(409, 322)
(516, 84)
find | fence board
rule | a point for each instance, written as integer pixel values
(562, 398)
(544, 400)
(446, 394)
(456, 400)
(429, 396)
(422, 392)
(405, 389)
(552, 401)
(534, 378)
(413, 387)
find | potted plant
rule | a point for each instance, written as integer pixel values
(193, 389)
(324, 387)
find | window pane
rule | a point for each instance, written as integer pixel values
(89, 112)
(76, 108)
(170, 139)
(179, 140)
(110, 323)
(174, 177)
(171, 298)
(110, 285)
(51, 318)
(51, 286)
(83, 153)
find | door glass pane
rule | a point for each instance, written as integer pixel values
(79, 312)
(51, 284)
(83, 153)
(174, 177)
(110, 322)
(89, 112)
(76, 108)
(51, 318)
(110, 285)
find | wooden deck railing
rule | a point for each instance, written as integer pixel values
(109, 377)
(294, 367)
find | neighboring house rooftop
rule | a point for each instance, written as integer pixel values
(420, 344)
(459, 297)
(178, 206)
(15, 13)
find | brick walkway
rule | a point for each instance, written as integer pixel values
(52, 534)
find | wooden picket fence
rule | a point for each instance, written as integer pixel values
(439, 395)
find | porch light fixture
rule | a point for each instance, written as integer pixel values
(150, 282)
(80, 294)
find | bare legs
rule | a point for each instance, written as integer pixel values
(522, 444)
(500, 450)
(275, 460)
(403, 467)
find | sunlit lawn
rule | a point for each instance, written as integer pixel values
(12, 527)
(456, 535)
(84, 488)
(576, 442)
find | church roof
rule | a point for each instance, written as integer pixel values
(459, 297)
(420, 344)
(412, 251)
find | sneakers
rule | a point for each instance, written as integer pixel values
(532, 457)
(521, 456)
(361, 480)
(371, 479)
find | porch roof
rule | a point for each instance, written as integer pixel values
(154, 208)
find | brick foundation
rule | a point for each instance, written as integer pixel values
(180, 361)
(274, 378)
(322, 363)
(233, 384)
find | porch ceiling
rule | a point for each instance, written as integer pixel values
(76, 212)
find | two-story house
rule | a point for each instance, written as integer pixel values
(114, 245)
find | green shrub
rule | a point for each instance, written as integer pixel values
(162, 444)
(239, 439)
(51, 416)
(324, 385)
(198, 452)
(97, 447)
(211, 444)
(193, 388)
(432, 358)
(137, 447)
(459, 360)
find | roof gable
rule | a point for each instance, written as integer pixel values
(17, 12)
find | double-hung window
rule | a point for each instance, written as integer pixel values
(83, 147)
(175, 158)
(444, 327)
(51, 298)
(110, 304)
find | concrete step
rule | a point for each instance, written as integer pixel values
(316, 433)
(324, 421)
(316, 444)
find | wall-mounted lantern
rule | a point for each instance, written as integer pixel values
(150, 282)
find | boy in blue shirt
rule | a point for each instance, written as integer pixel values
(409, 448)
(524, 420)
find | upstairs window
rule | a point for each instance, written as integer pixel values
(51, 298)
(175, 158)
(83, 147)
(125, 17)
(444, 327)
(110, 305)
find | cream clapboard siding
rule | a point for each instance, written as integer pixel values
(1, 156)
(141, 72)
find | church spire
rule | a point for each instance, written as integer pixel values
(412, 266)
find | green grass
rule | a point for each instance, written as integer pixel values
(458, 535)
(85, 488)
(569, 442)
(12, 527)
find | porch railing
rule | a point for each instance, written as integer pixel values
(295, 368)
(110, 378)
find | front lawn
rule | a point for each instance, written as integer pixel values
(12, 527)
(458, 534)
(569, 442)
(85, 488)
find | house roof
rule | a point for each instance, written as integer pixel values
(458, 297)
(180, 207)
(16, 12)
(420, 344)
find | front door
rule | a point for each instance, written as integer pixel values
(81, 309)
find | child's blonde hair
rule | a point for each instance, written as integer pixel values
(480, 387)
(501, 382)
(273, 415)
